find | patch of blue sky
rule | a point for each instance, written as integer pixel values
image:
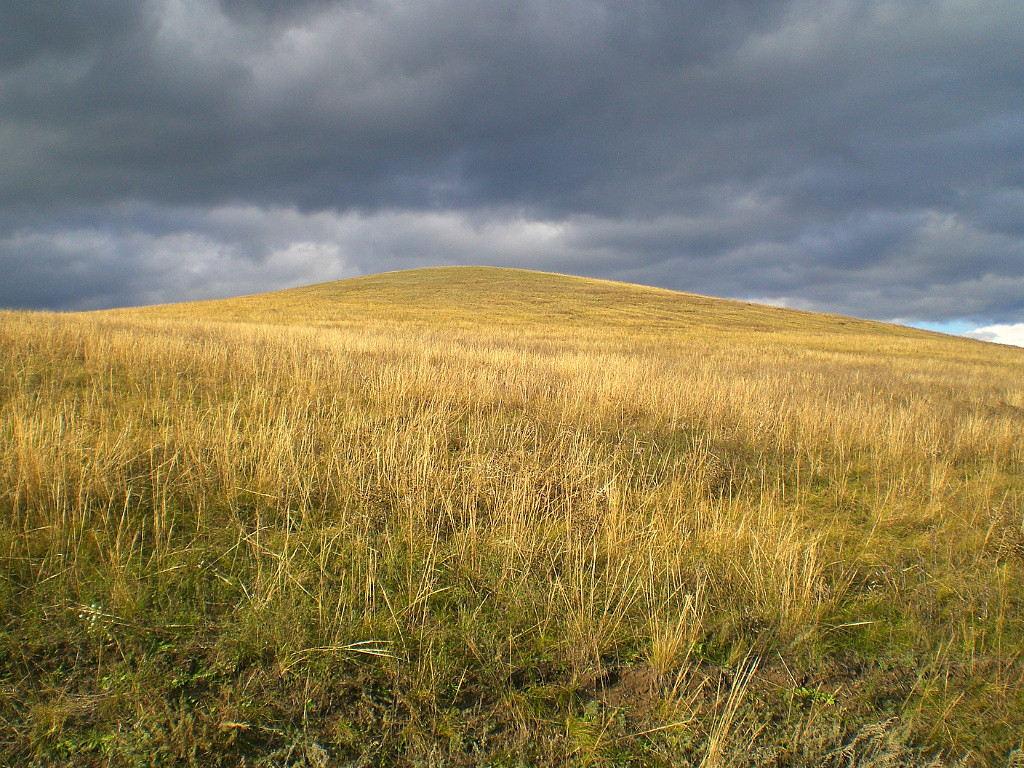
(952, 327)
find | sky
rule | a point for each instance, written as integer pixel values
(851, 156)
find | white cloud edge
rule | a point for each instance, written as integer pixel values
(1012, 334)
(1006, 333)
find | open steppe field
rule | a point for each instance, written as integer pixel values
(470, 516)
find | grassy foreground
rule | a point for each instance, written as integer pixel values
(492, 517)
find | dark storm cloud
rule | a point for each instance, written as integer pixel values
(32, 30)
(854, 156)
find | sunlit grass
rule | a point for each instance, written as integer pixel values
(481, 516)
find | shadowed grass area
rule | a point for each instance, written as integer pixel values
(492, 517)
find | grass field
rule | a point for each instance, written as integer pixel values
(476, 516)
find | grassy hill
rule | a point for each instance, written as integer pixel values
(478, 516)
(463, 297)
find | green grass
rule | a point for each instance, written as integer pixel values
(493, 517)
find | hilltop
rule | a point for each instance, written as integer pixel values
(474, 516)
(468, 296)
(545, 305)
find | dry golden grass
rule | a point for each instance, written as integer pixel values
(475, 516)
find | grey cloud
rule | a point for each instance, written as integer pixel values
(48, 28)
(150, 254)
(354, 106)
(264, 11)
(75, 269)
(853, 155)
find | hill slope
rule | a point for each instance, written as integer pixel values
(518, 303)
(478, 516)
(472, 295)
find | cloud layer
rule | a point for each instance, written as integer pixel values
(852, 156)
